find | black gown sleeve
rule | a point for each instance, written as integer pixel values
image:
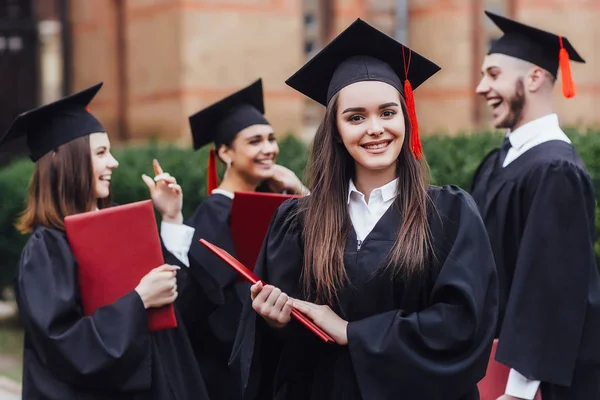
(442, 350)
(546, 309)
(110, 349)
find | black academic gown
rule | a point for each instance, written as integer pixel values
(108, 355)
(540, 212)
(424, 338)
(212, 333)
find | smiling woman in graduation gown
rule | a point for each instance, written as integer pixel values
(423, 333)
(246, 143)
(110, 354)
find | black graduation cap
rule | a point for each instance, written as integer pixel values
(221, 121)
(52, 125)
(363, 53)
(536, 46)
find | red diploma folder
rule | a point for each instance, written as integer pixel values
(114, 248)
(252, 278)
(493, 385)
(251, 214)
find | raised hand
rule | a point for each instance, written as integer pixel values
(166, 194)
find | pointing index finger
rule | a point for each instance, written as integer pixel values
(157, 169)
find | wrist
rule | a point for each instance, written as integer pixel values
(142, 297)
(344, 334)
(173, 219)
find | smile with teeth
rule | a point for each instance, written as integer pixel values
(495, 102)
(265, 162)
(376, 145)
(105, 178)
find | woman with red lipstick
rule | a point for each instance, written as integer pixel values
(398, 272)
(110, 354)
(245, 142)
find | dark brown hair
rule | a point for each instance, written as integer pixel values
(326, 218)
(62, 184)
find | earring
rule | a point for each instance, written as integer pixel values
(229, 163)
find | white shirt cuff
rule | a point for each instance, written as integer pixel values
(521, 387)
(177, 239)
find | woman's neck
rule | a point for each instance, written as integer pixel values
(233, 182)
(368, 180)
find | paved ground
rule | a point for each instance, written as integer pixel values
(6, 309)
(9, 390)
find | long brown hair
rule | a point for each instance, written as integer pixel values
(326, 218)
(62, 184)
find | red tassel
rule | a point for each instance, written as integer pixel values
(87, 108)
(568, 87)
(415, 141)
(211, 172)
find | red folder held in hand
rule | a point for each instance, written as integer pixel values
(252, 278)
(114, 248)
(493, 385)
(251, 214)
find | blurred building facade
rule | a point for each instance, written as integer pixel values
(162, 60)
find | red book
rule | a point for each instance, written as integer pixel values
(114, 248)
(252, 278)
(251, 214)
(493, 385)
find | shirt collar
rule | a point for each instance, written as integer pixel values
(225, 193)
(530, 130)
(388, 191)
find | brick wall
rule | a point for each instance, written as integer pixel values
(181, 55)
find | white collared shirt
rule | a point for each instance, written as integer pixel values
(533, 133)
(364, 216)
(522, 139)
(177, 238)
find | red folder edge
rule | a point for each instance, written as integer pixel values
(252, 278)
(251, 214)
(493, 385)
(76, 230)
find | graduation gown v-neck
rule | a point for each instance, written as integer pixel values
(212, 332)
(424, 338)
(540, 213)
(108, 355)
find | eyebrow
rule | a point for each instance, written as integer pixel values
(488, 69)
(101, 148)
(362, 109)
(259, 136)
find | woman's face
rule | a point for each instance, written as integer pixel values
(371, 124)
(103, 164)
(252, 153)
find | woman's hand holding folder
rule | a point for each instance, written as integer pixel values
(158, 287)
(272, 304)
(275, 307)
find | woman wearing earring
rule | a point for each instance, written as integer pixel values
(110, 354)
(244, 140)
(398, 272)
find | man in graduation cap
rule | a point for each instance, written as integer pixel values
(537, 200)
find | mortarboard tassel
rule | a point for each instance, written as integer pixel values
(415, 141)
(568, 86)
(211, 172)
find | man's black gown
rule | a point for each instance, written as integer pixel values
(539, 212)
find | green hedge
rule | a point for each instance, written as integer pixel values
(452, 160)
